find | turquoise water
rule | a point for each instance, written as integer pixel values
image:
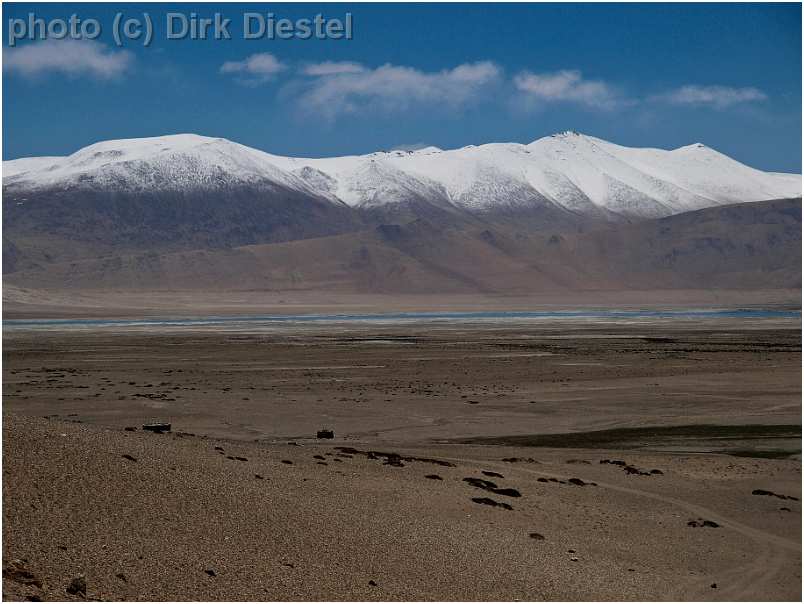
(402, 317)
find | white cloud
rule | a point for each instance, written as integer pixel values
(393, 87)
(71, 57)
(332, 68)
(254, 69)
(568, 85)
(715, 96)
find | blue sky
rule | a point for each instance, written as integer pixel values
(727, 75)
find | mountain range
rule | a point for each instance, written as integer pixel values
(567, 211)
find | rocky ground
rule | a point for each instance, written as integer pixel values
(240, 501)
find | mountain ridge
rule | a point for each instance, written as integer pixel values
(571, 171)
(563, 213)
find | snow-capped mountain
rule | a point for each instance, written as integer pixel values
(570, 170)
(567, 172)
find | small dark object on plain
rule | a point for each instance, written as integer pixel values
(129, 457)
(130, 429)
(210, 572)
(492, 474)
(537, 536)
(373, 583)
(258, 477)
(393, 459)
(325, 434)
(241, 458)
(122, 577)
(656, 472)
(78, 586)
(702, 522)
(158, 427)
(714, 586)
(434, 477)
(287, 461)
(577, 482)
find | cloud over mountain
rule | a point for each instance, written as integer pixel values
(254, 69)
(71, 57)
(715, 96)
(567, 85)
(337, 88)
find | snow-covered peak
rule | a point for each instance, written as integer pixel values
(570, 170)
(174, 162)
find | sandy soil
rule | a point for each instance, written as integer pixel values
(217, 494)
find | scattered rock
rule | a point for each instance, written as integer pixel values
(577, 482)
(219, 448)
(130, 429)
(519, 459)
(122, 577)
(16, 571)
(434, 477)
(373, 583)
(258, 477)
(784, 509)
(614, 462)
(78, 586)
(659, 472)
(210, 572)
(537, 536)
(157, 427)
(287, 461)
(492, 487)
(129, 457)
(325, 434)
(577, 461)
(492, 474)
(700, 522)
(713, 586)
(491, 502)
(393, 459)
(241, 458)
(574, 558)
(772, 494)
(318, 457)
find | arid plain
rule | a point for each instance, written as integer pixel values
(627, 458)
